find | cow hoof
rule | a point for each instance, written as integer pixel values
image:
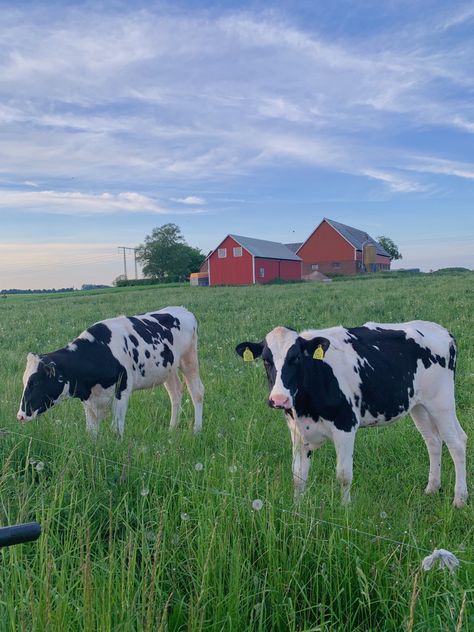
(432, 489)
(459, 502)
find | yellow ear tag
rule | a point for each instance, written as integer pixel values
(248, 355)
(318, 353)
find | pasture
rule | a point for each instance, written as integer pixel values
(161, 532)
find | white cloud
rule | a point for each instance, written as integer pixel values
(192, 200)
(73, 202)
(443, 167)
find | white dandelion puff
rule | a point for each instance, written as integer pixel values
(383, 515)
(257, 504)
(232, 469)
(40, 466)
(145, 491)
(32, 462)
(199, 467)
(184, 516)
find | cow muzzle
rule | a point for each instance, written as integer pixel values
(279, 401)
(23, 417)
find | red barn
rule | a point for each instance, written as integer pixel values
(244, 260)
(335, 248)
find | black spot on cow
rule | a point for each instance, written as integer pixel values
(101, 333)
(147, 353)
(387, 363)
(156, 328)
(167, 355)
(309, 453)
(133, 339)
(135, 355)
(125, 341)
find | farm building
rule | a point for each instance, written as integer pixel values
(241, 260)
(334, 248)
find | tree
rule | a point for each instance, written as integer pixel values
(165, 253)
(388, 245)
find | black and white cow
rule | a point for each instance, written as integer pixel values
(113, 358)
(331, 381)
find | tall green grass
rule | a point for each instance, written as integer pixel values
(135, 538)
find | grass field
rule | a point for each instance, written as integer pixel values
(135, 537)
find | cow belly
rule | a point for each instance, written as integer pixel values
(152, 376)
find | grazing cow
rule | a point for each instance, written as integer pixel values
(113, 358)
(331, 381)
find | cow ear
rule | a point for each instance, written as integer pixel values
(315, 347)
(49, 368)
(249, 350)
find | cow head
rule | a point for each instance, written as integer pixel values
(43, 385)
(288, 360)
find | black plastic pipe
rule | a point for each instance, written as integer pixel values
(19, 533)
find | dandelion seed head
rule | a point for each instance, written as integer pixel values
(232, 469)
(199, 467)
(40, 466)
(257, 504)
(145, 491)
(32, 462)
(383, 515)
(184, 516)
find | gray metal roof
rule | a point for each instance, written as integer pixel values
(356, 237)
(266, 249)
(294, 247)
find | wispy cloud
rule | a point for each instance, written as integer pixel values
(73, 202)
(191, 200)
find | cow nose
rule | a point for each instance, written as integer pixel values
(21, 416)
(279, 401)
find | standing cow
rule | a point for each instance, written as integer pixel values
(331, 381)
(113, 358)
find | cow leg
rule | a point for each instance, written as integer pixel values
(189, 365)
(301, 463)
(175, 391)
(92, 420)
(434, 445)
(449, 428)
(301, 459)
(119, 411)
(344, 445)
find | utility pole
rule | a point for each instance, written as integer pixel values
(125, 248)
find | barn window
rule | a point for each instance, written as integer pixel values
(315, 266)
(222, 253)
(262, 272)
(336, 264)
(238, 251)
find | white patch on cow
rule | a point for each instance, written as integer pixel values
(279, 340)
(86, 335)
(72, 346)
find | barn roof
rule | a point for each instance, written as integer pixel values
(266, 249)
(356, 237)
(294, 247)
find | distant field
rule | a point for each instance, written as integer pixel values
(135, 538)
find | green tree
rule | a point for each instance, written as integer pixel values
(165, 253)
(388, 245)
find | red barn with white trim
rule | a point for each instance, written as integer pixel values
(241, 260)
(335, 248)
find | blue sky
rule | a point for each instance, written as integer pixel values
(255, 118)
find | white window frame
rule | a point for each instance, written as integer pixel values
(222, 253)
(261, 273)
(315, 266)
(237, 251)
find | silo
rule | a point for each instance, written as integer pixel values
(369, 254)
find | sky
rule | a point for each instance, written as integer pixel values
(256, 118)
